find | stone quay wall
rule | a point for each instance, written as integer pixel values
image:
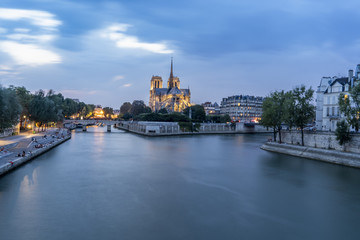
(322, 140)
(325, 155)
(173, 128)
(21, 160)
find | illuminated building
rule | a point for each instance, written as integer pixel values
(242, 108)
(211, 108)
(98, 112)
(172, 98)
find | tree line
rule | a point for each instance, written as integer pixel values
(293, 108)
(138, 111)
(41, 107)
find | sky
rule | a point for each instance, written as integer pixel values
(105, 52)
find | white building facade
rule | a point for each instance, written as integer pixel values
(327, 104)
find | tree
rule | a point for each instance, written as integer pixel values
(10, 108)
(163, 111)
(125, 108)
(139, 107)
(302, 109)
(42, 109)
(273, 112)
(351, 111)
(70, 107)
(218, 118)
(342, 132)
(108, 111)
(127, 116)
(58, 101)
(24, 97)
(197, 113)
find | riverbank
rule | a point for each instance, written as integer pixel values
(153, 129)
(325, 155)
(30, 151)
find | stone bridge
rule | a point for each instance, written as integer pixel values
(69, 123)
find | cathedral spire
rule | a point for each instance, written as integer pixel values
(171, 78)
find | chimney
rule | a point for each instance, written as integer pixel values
(351, 75)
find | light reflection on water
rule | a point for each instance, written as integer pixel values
(117, 185)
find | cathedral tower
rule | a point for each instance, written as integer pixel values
(173, 81)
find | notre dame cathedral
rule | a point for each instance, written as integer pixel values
(172, 98)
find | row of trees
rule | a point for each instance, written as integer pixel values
(293, 108)
(41, 107)
(140, 112)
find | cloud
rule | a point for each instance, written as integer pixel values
(39, 18)
(7, 71)
(127, 85)
(122, 40)
(29, 54)
(22, 30)
(25, 47)
(117, 78)
(3, 30)
(27, 37)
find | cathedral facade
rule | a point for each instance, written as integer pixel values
(172, 98)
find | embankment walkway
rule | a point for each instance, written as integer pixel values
(325, 155)
(24, 149)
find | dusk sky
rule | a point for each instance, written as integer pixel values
(105, 52)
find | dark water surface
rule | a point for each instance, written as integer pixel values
(121, 186)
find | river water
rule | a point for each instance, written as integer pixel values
(118, 185)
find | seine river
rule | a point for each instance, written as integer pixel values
(118, 185)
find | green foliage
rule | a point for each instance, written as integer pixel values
(163, 111)
(189, 126)
(197, 113)
(158, 117)
(301, 108)
(218, 118)
(138, 107)
(273, 115)
(24, 97)
(350, 112)
(127, 116)
(42, 109)
(125, 108)
(108, 111)
(70, 107)
(342, 132)
(10, 108)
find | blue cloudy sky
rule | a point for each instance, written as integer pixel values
(105, 52)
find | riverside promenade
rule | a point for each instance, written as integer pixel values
(16, 150)
(325, 155)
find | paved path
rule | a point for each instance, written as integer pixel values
(10, 147)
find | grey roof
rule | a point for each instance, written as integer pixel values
(161, 91)
(175, 90)
(342, 81)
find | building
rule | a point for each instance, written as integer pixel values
(172, 98)
(211, 108)
(327, 94)
(242, 108)
(98, 112)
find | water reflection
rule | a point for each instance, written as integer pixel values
(116, 185)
